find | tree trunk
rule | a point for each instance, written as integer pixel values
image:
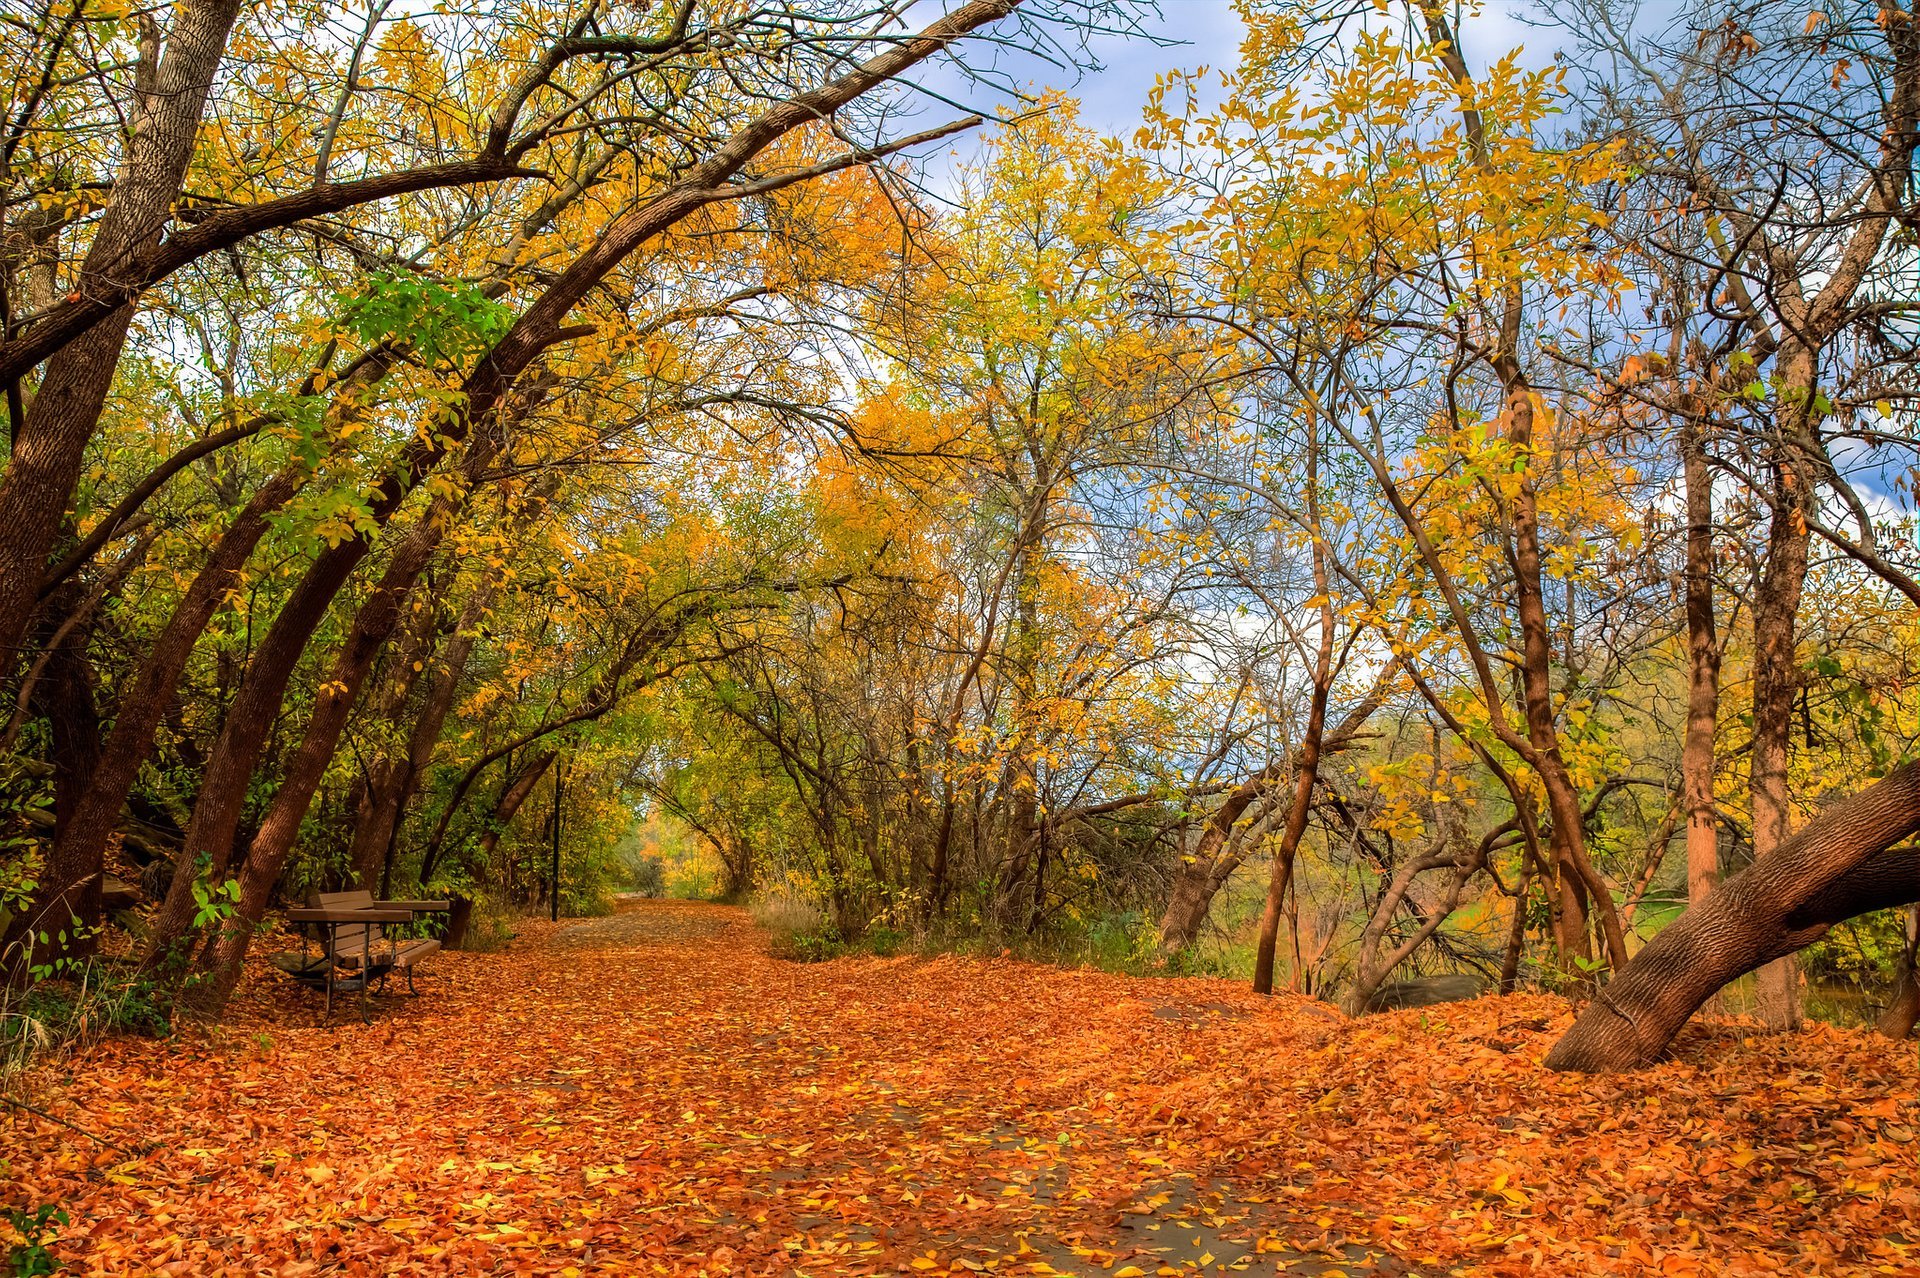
(267, 852)
(1834, 868)
(1776, 665)
(385, 776)
(50, 450)
(66, 909)
(1580, 882)
(1202, 873)
(1023, 662)
(1516, 931)
(1703, 671)
(1903, 1007)
(1308, 773)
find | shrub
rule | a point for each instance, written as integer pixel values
(647, 875)
(91, 1000)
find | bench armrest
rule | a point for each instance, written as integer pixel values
(309, 915)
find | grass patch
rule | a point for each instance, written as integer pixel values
(99, 998)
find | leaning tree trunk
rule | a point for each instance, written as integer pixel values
(267, 852)
(378, 790)
(50, 451)
(66, 909)
(1219, 852)
(1836, 867)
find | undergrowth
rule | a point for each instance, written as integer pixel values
(97, 998)
(1120, 941)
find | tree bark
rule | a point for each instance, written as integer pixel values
(267, 852)
(385, 773)
(1776, 665)
(377, 829)
(1703, 671)
(1308, 772)
(1837, 866)
(1903, 1007)
(1212, 862)
(50, 450)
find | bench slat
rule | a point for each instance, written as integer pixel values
(308, 914)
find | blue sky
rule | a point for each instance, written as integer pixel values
(1178, 35)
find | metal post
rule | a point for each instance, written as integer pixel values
(553, 891)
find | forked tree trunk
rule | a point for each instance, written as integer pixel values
(1578, 880)
(1308, 765)
(1217, 854)
(1836, 867)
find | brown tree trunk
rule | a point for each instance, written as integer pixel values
(378, 794)
(66, 909)
(1776, 665)
(1577, 878)
(1023, 661)
(1202, 872)
(50, 450)
(1903, 1006)
(1834, 868)
(1580, 882)
(267, 852)
(1308, 764)
(1516, 931)
(250, 718)
(1703, 671)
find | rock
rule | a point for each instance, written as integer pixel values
(1425, 991)
(118, 894)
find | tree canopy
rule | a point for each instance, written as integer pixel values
(1409, 508)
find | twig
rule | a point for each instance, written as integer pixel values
(55, 1118)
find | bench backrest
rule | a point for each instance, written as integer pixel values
(349, 938)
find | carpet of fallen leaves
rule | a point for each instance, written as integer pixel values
(652, 1093)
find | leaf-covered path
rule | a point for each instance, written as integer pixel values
(652, 1093)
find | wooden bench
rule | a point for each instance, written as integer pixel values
(357, 944)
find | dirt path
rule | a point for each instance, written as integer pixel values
(651, 1093)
